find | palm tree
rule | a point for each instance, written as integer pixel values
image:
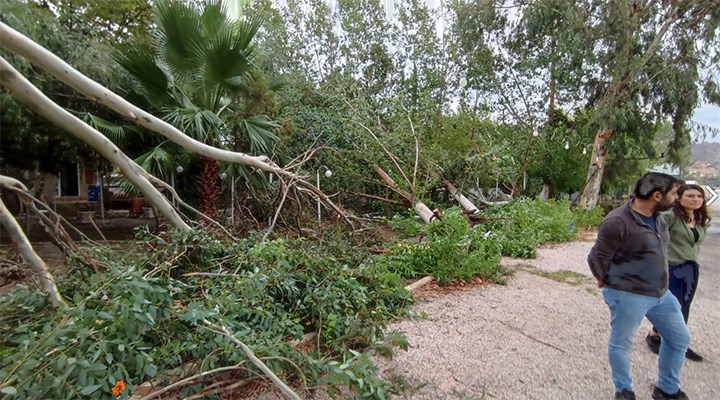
(196, 72)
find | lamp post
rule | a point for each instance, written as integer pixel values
(328, 174)
(179, 169)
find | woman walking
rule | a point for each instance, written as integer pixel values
(687, 223)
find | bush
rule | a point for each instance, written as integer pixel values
(523, 224)
(589, 218)
(452, 250)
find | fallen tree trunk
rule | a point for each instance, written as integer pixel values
(18, 43)
(420, 208)
(47, 282)
(465, 203)
(35, 100)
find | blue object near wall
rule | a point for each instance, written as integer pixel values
(93, 193)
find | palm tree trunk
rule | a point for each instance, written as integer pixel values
(207, 186)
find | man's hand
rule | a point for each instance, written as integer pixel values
(600, 283)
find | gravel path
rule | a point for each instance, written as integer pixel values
(544, 335)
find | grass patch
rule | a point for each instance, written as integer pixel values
(563, 276)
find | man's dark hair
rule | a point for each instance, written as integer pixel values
(655, 182)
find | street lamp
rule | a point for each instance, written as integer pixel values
(179, 168)
(328, 174)
(463, 82)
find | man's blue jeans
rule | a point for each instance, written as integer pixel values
(626, 312)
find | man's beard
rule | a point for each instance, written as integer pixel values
(664, 206)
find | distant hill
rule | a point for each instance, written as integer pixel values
(706, 160)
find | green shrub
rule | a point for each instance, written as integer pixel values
(523, 224)
(452, 250)
(406, 226)
(83, 351)
(588, 218)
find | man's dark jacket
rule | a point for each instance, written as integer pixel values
(628, 255)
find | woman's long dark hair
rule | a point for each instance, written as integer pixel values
(701, 216)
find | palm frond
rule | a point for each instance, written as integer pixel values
(179, 36)
(157, 161)
(245, 31)
(223, 62)
(213, 18)
(143, 67)
(114, 132)
(276, 84)
(199, 124)
(259, 131)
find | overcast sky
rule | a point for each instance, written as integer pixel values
(709, 115)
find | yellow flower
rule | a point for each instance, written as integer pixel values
(118, 388)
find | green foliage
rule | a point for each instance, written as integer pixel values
(523, 224)
(452, 250)
(406, 225)
(109, 335)
(146, 315)
(30, 142)
(588, 218)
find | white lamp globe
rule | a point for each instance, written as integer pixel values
(328, 173)
(463, 82)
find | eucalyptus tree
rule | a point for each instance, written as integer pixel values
(631, 65)
(649, 58)
(425, 75)
(198, 72)
(296, 38)
(29, 142)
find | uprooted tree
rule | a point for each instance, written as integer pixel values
(24, 91)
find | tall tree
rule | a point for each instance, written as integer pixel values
(649, 58)
(118, 21)
(27, 141)
(198, 72)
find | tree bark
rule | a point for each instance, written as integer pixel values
(545, 192)
(591, 192)
(47, 283)
(465, 203)
(35, 100)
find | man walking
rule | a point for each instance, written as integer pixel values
(629, 261)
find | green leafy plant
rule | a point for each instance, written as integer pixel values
(588, 218)
(523, 224)
(451, 249)
(146, 315)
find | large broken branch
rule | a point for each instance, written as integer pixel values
(47, 283)
(420, 208)
(35, 100)
(465, 203)
(17, 43)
